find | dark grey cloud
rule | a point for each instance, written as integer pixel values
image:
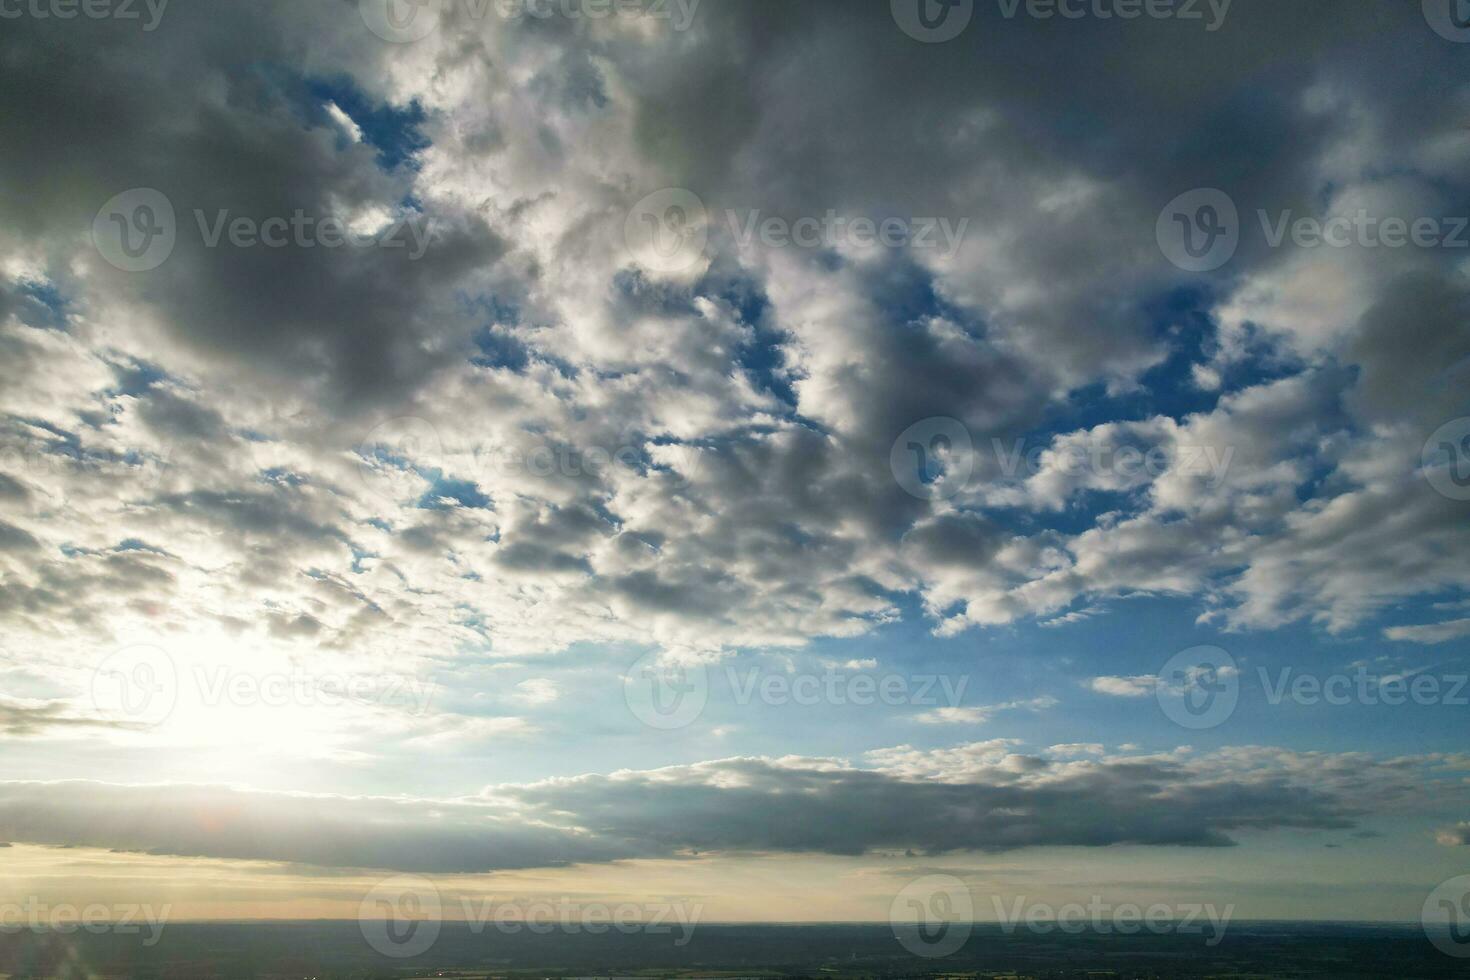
(324, 831)
(28, 719)
(752, 805)
(998, 801)
(12, 489)
(13, 538)
(214, 110)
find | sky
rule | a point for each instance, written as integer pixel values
(759, 456)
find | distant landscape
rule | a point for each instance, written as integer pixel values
(336, 951)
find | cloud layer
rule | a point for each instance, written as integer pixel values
(985, 796)
(588, 449)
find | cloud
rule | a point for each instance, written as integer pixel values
(605, 454)
(537, 690)
(442, 836)
(1125, 687)
(977, 797)
(867, 663)
(29, 718)
(1456, 836)
(1076, 749)
(982, 713)
(1429, 633)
